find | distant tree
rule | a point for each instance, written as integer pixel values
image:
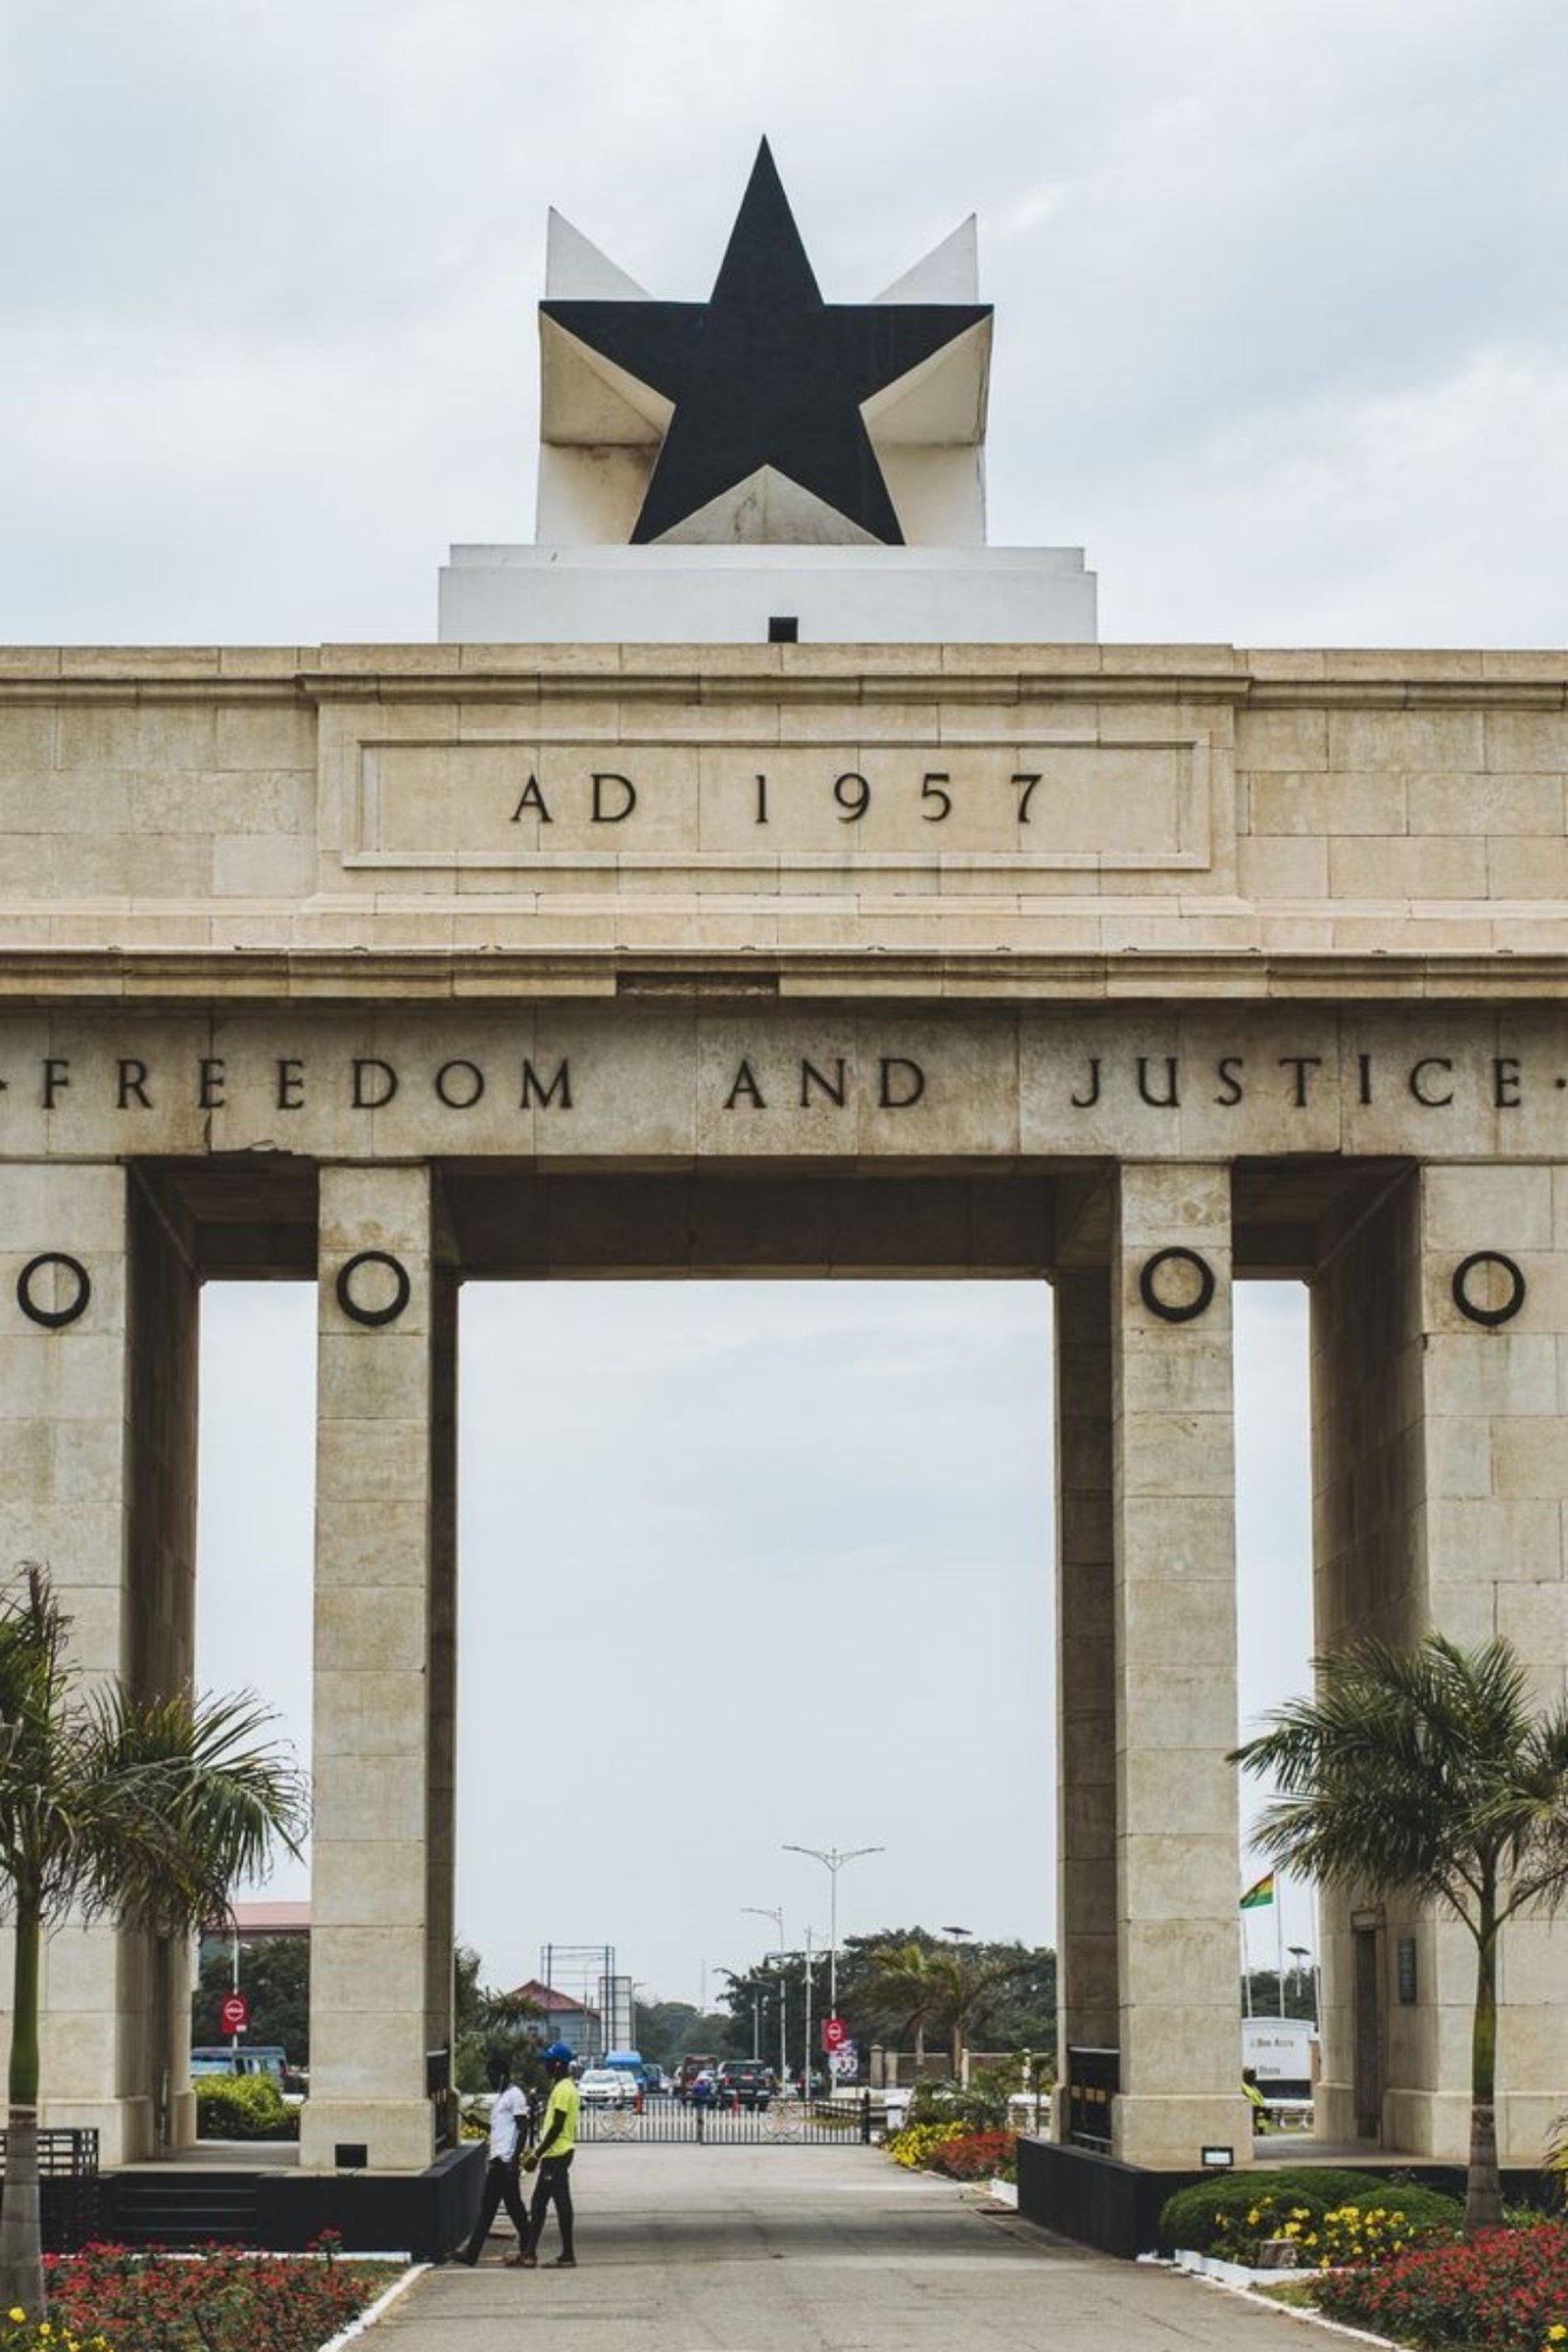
(1020, 2014)
(968, 1981)
(491, 2025)
(1261, 1994)
(275, 1975)
(901, 1983)
(1426, 1773)
(1003, 1994)
(670, 2031)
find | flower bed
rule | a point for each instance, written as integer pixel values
(955, 2151)
(1506, 2289)
(1331, 2215)
(914, 2147)
(108, 2299)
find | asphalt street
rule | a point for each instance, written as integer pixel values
(794, 2249)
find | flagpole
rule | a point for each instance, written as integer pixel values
(1279, 1941)
(1246, 1974)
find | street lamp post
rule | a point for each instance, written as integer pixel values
(833, 1861)
(805, 2076)
(762, 1911)
(1300, 1955)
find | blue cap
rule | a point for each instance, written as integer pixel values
(558, 2054)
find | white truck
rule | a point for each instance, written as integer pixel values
(1283, 2053)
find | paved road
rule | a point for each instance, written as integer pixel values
(812, 2250)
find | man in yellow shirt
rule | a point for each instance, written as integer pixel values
(558, 2141)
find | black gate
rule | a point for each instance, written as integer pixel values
(68, 2187)
(782, 2123)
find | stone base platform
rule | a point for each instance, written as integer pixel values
(261, 2197)
(1116, 2207)
(730, 595)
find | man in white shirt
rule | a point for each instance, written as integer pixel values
(508, 2128)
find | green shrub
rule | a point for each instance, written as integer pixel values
(982, 2107)
(1216, 2215)
(243, 2107)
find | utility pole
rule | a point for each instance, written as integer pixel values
(811, 1996)
(833, 1861)
(764, 1911)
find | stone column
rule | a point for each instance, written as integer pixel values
(441, 1807)
(99, 1425)
(1176, 1705)
(161, 1646)
(1442, 1489)
(1086, 1672)
(1366, 1533)
(375, 1927)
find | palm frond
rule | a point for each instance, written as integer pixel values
(1421, 1771)
(149, 1812)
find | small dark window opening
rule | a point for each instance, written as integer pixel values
(784, 628)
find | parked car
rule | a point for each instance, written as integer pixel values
(608, 2086)
(688, 2071)
(745, 2083)
(250, 2058)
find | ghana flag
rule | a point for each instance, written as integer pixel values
(1260, 1894)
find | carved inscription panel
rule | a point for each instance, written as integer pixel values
(582, 1081)
(1035, 805)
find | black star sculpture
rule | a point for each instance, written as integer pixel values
(767, 373)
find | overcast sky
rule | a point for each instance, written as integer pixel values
(1280, 341)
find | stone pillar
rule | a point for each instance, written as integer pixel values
(1441, 1480)
(441, 1808)
(99, 1417)
(1177, 1841)
(382, 1679)
(1086, 1673)
(1366, 1537)
(161, 1646)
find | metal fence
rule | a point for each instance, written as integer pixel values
(68, 2187)
(783, 2123)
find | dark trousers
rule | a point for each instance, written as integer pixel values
(500, 2189)
(553, 2186)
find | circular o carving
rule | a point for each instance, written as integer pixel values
(52, 1318)
(1157, 1305)
(1490, 1316)
(375, 1316)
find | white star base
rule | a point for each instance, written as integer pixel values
(686, 595)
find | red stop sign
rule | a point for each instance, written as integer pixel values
(235, 2013)
(835, 2033)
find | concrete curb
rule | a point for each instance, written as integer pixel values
(1241, 2282)
(375, 2311)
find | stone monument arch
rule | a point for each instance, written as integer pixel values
(763, 873)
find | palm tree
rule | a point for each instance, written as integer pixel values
(900, 1980)
(143, 1812)
(964, 1981)
(1426, 1773)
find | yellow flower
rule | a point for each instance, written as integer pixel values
(16, 2312)
(1556, 2332)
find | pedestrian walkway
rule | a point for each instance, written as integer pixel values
(804, 2250)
